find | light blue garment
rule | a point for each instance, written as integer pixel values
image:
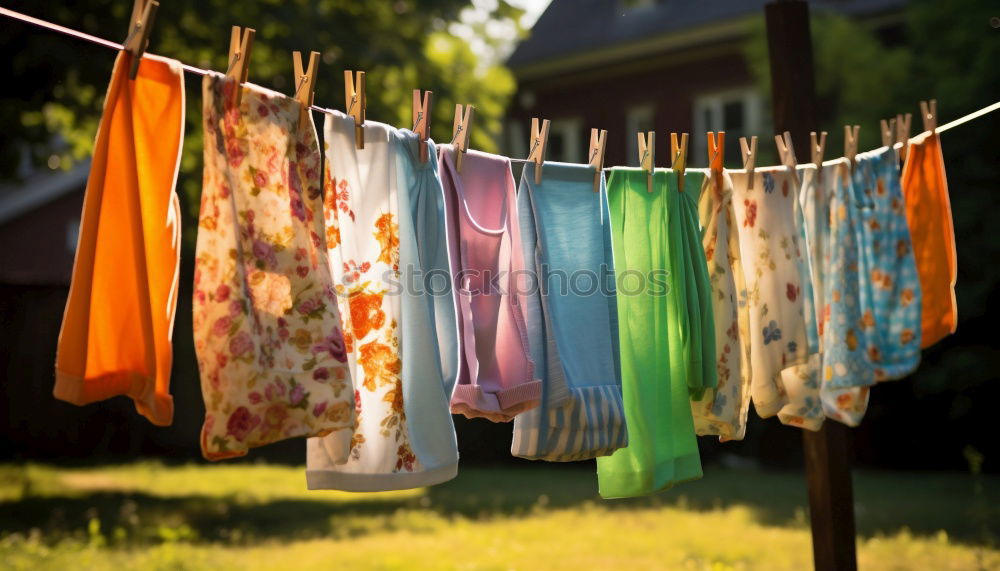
(834, 220)
(832, 225)
(429, 330)
(810, 207)
(889, 268)
(571, 313)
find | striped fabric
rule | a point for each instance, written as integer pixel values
(571, 313)
(590, 424)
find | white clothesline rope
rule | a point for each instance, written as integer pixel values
(197, 70)
(969, 117)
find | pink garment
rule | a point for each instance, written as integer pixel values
(496, 377)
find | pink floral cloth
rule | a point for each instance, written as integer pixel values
(266, 323)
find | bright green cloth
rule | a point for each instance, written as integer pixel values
(663, 331)
(704, 373)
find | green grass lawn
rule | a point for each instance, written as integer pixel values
(535, 517)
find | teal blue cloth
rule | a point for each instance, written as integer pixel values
(889, 270)
(572, 317)
(429, 330)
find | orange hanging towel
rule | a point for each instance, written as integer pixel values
(116, 331)
(928, 212)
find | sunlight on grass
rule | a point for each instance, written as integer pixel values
(258, 482)
(242, 516)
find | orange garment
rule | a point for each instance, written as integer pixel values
(928, 212)
(116, 331)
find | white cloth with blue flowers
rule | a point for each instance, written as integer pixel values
(773, 256)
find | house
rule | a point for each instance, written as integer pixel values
(632, 66)
(39, 227)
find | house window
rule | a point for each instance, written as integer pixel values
(638, 119)
(737, 112)
(517, 140)
(564, 141)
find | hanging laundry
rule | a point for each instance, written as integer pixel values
(928, 211)
(772, 256)
(655, 338)
(889, 268)
(571, 313)
(496, 378)
(361, 214)
(804, 408)
(723, 410)
(266, 324)
(118, 324)
(403, 436)
(693, 267)
(812, 221)
(833, 226)
(429, 326)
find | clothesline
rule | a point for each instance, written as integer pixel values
(197, 70)
(340, 268)
(102, 42)
(969, 117)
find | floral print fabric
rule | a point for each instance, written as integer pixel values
(266, 324)
(804, 407)
(772, 260)
(362, 221)
(723, 411)
(889, 266)
(833, 226)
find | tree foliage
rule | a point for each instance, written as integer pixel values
(52, 98)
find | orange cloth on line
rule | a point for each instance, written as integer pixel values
(928, 212)
(116, 331)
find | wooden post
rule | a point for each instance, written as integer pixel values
(828, 472)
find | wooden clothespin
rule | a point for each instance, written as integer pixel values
(596, 154)
(647, 150)
(679, 157)
(851, 142)
(422, 120)
(539, 140)
(786, 152)
(888, 130)
(460, 132)
(354, 96)
(817, 148)
(239, 59)
(903, 133)
(140, 24)
(928, 112)
(716, 151)
(305, 82)
(749, 153)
